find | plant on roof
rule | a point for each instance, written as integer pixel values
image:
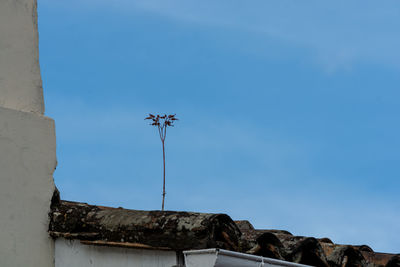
(162, 122)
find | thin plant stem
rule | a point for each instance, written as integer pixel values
(163, 195)
(162, 122)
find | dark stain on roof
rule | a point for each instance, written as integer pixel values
(311, 251)
(171, 230)
(168, 229)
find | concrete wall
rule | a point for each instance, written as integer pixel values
(72, 253)
(20, 80)
(27, 163)
(27, 142)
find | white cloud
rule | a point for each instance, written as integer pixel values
(340, 33)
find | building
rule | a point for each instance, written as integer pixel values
(27, 142)
(88, 235)
(39, 229)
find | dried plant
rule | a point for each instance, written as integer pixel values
(162, 122)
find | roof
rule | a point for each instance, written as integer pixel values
(172, 230)
(153, 229)
(280, 244)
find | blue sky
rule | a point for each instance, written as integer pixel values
(288, 110)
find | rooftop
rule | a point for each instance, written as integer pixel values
(178, 231)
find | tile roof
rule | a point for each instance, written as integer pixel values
(171, 230)
(311, 251)
(161, 229)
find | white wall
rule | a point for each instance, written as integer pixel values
(27, 163)
(71, 253)
(27, 143)
(20, 80)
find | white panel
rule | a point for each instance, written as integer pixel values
(224, 258)
(225, 261)
(71, 253)
(200, 260)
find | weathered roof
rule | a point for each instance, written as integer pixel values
(160, 229)
(171, 230)
(311, 251)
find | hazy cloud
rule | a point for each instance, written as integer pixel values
(339, 33)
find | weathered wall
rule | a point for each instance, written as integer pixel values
(27, 142)
(27, 163)
(20, 80)
(72, 253)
